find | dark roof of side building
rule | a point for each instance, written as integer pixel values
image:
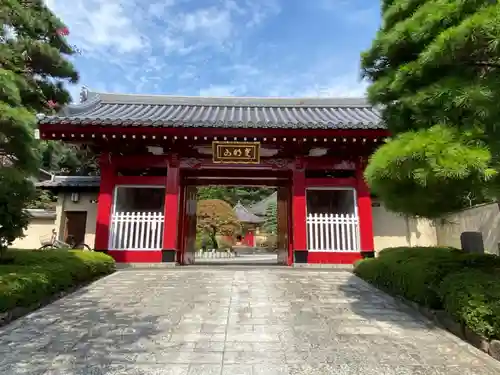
(70, 182)
(105, 109)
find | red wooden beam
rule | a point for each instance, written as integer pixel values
(139, 161)
(299, 207)
(331, 182)
(232, 182)
(47, 130)
(364, 210)
(172, 207)
(104, 203)
(141, 180)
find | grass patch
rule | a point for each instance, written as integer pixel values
(32, 277)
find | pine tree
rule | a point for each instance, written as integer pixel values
(33, 68)
(435, 72)
(271, 222)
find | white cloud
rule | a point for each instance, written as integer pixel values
(211, 22)
(178, 46)
(100, 27)
(341, 86)
(159, 8)
(214, 26)
(223, 90)
(157, 45)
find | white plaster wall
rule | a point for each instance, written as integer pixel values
(37, 228)
(483, 218)
(392, 230)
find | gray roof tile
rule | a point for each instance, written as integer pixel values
(260, 208)
(230, 112)
(246, 216)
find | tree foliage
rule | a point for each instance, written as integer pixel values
(15, 191)
(423, 171)
(214, 216)
(271, 222)
(43, 199)
(435, 72)
(33, 68)
(68, 159)
(233, 195)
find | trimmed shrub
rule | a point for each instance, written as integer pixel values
(413, 273)
(472, 297)
(34, 276)
(416, 273)
(466, 285)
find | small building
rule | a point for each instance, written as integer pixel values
(250, 223)
(156, 150)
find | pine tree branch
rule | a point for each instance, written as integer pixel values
(486, 64)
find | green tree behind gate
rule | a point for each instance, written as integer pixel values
(271, 223)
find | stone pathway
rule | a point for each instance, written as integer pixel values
(232, 321)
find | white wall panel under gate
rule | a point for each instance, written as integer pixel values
(136, 231)
(332, 220)
(333, 232)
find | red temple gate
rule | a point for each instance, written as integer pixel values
(155, 150)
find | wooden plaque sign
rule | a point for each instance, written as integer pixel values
(236, 152)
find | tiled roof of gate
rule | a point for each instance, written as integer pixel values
(210, 112)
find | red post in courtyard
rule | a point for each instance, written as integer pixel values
(104, 203)
(171, 222)
(299, 212)
(364, 212)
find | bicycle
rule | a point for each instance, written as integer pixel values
(50, 242)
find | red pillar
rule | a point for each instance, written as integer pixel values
(299, 212)
(364, 211)
(170, 228)
(104, 202)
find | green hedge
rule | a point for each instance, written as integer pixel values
(472, 297)
(33, 276)
(441, 278)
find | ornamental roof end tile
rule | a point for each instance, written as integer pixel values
(219, 112)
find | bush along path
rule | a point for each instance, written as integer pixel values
(31, 279)
(459, 291)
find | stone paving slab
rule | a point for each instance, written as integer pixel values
(233, 321)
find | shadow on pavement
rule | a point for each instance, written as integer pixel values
(82, 333)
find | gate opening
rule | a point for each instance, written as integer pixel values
(225, 230)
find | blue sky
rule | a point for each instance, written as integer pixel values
(220, 47)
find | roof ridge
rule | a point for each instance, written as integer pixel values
(221, 112)
(228, 101)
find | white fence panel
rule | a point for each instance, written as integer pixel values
(136, 231)
(333, 232)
